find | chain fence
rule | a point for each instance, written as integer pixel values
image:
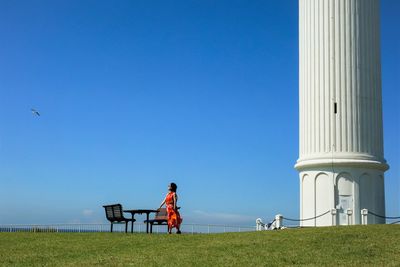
(308, 219)
(383, 217)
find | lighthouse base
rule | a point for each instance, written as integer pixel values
(346, 189)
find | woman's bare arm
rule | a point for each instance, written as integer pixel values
(162, 203)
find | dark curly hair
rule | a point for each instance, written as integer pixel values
(173, 187)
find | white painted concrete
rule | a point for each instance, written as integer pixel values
(341, 161)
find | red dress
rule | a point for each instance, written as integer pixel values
(174, 218)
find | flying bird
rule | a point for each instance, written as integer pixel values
(35, 112)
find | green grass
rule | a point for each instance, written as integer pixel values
(374, 245)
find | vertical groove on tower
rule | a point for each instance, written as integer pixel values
(318, 77)
(376, 84)
(312, 78)
(357, 76)
(370, 81)
(326, 97)
(362, 79)
(379, 86)
(342, 77)
(301, 71)
(353, 78)
(375, 71)
(349, 96)
(336, 57)
(331, 100)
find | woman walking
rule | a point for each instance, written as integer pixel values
(174, 218)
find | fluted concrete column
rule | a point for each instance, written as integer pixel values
(341, 139)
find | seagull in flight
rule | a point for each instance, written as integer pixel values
(35, 112)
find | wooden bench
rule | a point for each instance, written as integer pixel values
(161, 218)
(115, 214)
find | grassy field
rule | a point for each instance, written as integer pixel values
(374, 245)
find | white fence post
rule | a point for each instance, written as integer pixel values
(258, 224)
(333, 212)
(349, 214)
(364, 216)
(278, 220)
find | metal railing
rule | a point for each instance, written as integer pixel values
(120, 228)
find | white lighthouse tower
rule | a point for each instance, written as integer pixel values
(341, 161)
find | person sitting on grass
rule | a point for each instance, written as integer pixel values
(174, 218)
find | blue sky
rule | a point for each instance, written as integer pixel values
(136, 94)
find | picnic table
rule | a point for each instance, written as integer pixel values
(141, 211)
